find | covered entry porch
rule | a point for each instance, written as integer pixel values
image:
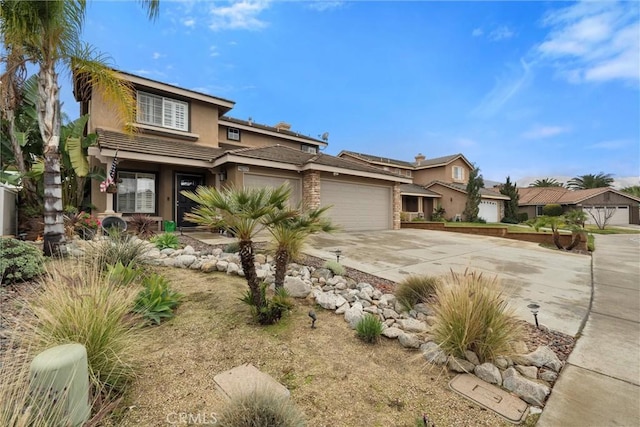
(417, 202)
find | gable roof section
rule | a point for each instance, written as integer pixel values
(484, 192)
(272, 156)
(441, 161)
(544, 195)
(270, 130)
(416, 190)
(384, 161)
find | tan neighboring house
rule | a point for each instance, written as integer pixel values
(185, 139)
(437, 182)
(594, 201)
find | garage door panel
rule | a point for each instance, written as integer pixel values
(357, 206)
(620, 216)
(261, 181)
(488, 210)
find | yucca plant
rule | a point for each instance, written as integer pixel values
(156, 302)
(261, 408)
(166, 241)
(369, 328)
(416, 289)
(473, 314)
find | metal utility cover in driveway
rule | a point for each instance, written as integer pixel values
(245, 379)
(491, 397)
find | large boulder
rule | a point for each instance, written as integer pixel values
(353, 315)
(542, 357)
(297, 287)
(392, 332)
(184, 261)
(530, 391)
(387, 301)
(412, 325)
(433, 353)
(408, 340)
(488, 372)
(329, 300)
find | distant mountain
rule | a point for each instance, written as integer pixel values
(618, 183)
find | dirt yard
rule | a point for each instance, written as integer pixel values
(333, 377)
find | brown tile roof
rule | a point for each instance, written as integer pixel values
(156, 146)
(417, 189)
(544, 195)
(485, 192)
(272, 129)
(439, 161)
(377, 159)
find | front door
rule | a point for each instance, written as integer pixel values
(186, 182)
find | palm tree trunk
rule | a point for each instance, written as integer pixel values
(249, 268)
(556, 239)
(577, 238)
(49, 123)
(282, 258)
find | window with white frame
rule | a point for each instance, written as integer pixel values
(233, 134)
(458, 173)
(160, 111)
(408, 173)
(312, 149)
(136, 192)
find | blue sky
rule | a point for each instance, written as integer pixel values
(521, 88)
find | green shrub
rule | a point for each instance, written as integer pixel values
(275, 307)
(78, 304)
(552, 209)
(480, 220)
(156, 301)
(261, 408)
(523, 217)
(19, 261)
(117, 248)
(369, 328)
(506, 220)
(166, 241)
(232, 248)
(335, 267)
(439, 214)
(123, 275)
(591, 242)
(472, 314)
(416, 289)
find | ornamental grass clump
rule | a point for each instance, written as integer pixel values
(335, 267)
(78, 304)
(416, 289)
(261, 408)
(369, 328)
(472, 314)
(116, 248)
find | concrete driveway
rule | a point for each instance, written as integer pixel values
(559, 282)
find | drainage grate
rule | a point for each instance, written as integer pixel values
(512, 408)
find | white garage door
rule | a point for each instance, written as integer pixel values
(259, 181)
(489, 210)
(357, 206)
(620, 216)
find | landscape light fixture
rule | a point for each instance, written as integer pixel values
(534, 310)
(338, 252)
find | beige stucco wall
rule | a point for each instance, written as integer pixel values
(452, 201)
(252, 139)
(442, 173)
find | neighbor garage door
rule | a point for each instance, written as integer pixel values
(357, 206)
(259, 181)
(489, 210)
(620, 216)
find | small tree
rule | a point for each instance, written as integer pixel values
(510, 190)
(552, 209)
(472, 206)
(602, 215)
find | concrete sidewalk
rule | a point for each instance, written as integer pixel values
(600, 385)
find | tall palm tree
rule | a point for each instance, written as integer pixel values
(546, 182)
(48, 34)
(290, 234)
(243, 212)
(633, 190)
(583, 182)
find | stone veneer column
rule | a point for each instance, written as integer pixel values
(311, 189)
(397, 206)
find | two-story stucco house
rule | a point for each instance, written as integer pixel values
(437, 182)
(186, 139)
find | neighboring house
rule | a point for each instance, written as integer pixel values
(437, 182)
(592, 201)
(185, 139)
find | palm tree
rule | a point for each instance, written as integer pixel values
(47, 34)
(546, 182)
(583, 182)
(633, 190)
(290, 234)
(243, 212)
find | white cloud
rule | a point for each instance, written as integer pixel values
(539, 132)
(501, 33)
(323, 5)
(465, 142)
(189, 22)
(157, 55)
(593, 41)
(239, 15)
(213, 51)
(477, 32)
(504, 89)
(613, 144)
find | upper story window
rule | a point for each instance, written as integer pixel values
(312, 149)
(165, 112)
(233, 134)
(458, 173)
(408, 173)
